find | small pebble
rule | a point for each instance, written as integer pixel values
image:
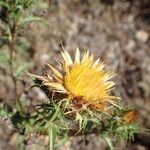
(131, 45)
(142, 36)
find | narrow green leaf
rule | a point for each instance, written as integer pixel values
(109, 142)
(52, 137)
(21, 69)
(30, 19)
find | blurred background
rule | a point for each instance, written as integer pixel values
(117, 31)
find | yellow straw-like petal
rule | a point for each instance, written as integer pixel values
(55, 71)
(57, 79)
(85, 56)
(100, 67)
(67, 58)
(77, 56)
(42, 78)
(56, 86)
(96, 63)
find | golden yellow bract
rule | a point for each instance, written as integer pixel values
(83, 80)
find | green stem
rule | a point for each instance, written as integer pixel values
(12, 49)
(52, 136)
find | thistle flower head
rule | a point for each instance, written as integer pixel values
(82, 80)
(130, 116)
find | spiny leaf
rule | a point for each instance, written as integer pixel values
(21, 69)
(30, 19)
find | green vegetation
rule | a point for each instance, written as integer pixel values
(50, 118)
